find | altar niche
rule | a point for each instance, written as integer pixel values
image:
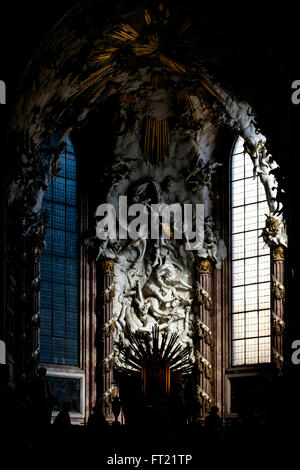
(152, 376)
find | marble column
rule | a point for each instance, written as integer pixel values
(277, 306)
(30, 295)
(204, 339)
(107, 362)
(35, 317)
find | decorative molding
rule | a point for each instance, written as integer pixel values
(35, 320)
(273, 233)
(108, 294)
(108, 363)
(203, 297)
(278, 289)
(34, 288)
(204, 366)
(278, 325)
(204, 399)
(108, 396)
(202, 331)
(108, 328)
(278, 360)
(36, 356)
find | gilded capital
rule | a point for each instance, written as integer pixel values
(278, 253)
(36, 252)
(108, 265)
(203, 265)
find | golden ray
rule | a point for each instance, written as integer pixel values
(98, 75)
(154, 39)
(212, 92)
(125, 33)
(102, 57)
(172, 64)
(146, 49)
(92, 87)
(184, 27)
(158, 133)
(96, 79)
(147, 18)
(104, 54)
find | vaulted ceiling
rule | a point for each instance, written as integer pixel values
(102, 49)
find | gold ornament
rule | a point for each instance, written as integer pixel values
(108, 363)
(108, 265)
(108, 328)
(204, 399)
(108, 396)
(205, 333)
(278, 360)
(278, 289)
(204, 366)
(271, 229)
(108, 294)
(156, 141)
(204, 265)
(278, 324)
(203, 297)
(278, 252)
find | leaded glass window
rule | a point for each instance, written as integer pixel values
(250, 264)
(59, 267)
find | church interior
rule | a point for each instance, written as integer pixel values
(149, 251)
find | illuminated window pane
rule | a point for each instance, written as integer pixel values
(251, 243)
(250, 264)
(238, 273)
(238, 299)
(238, 326)
(238, 246)
(251, 351)
(251, 190)
(238, 219)
(250, 270)
(264, 349)
(238, 193)
(238, 352)
(59, 267)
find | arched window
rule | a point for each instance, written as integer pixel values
(59, 267)
(250, 260)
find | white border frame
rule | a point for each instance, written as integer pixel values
(72, 375)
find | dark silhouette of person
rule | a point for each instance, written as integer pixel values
(97, 421)
(98, 429)
(213, 423)
(42, 399)
(63, 420)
